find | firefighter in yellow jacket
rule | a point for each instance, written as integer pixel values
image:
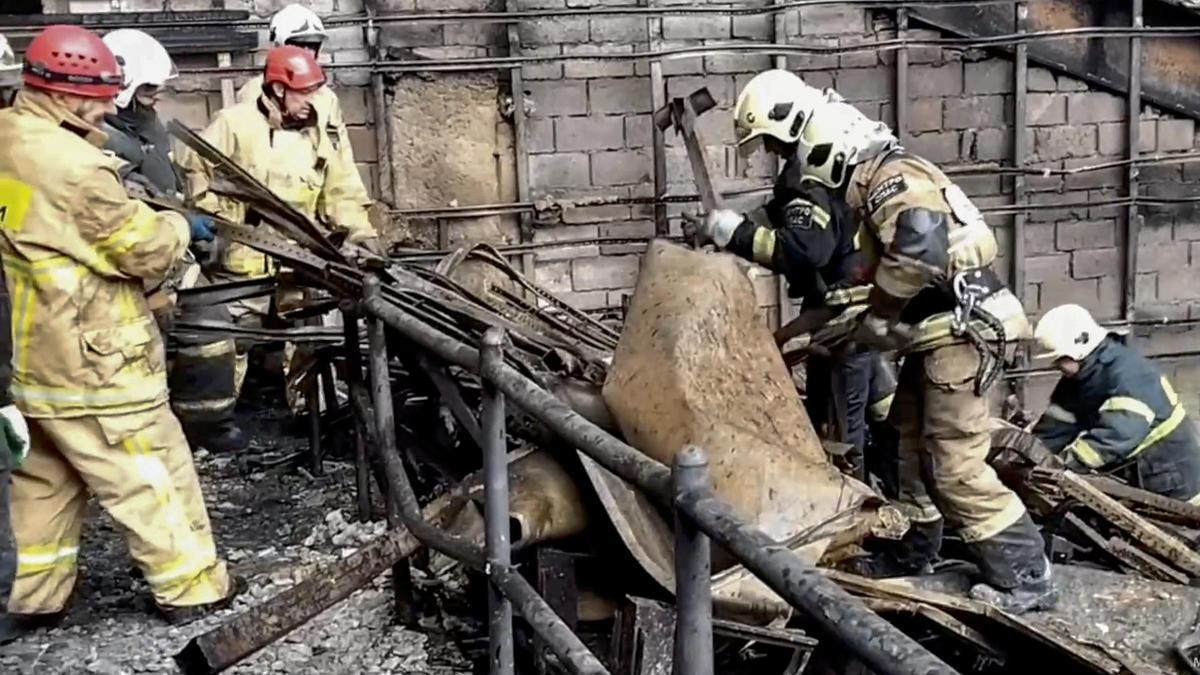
(298, 26)
(936, 299)
(279, 138)
(88, 361)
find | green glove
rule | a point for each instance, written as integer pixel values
(15, 434)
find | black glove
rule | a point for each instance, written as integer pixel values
(878, 334)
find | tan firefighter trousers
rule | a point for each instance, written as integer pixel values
(139, 467)
(945, 434)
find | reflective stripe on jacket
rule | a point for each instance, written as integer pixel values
(1118, 408)
(78, 256)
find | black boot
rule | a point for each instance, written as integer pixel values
(913, 555)
(1017, 577)
(15, 626)
(177, 616)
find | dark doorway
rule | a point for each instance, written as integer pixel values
(23, 7)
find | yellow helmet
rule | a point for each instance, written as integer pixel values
(837, 137)
(1068, 331)
(776, 103)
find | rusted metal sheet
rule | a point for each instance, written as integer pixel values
(1170, 66)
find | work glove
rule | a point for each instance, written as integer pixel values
(878, 334)
(718, 226)
(16, 433)
(201, 227)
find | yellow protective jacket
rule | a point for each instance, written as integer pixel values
(301, 166)
(924, 231)
(78, 256)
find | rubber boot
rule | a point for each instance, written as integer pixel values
(177, 616)
(1017, 577)
(15, 626)
(913, 555)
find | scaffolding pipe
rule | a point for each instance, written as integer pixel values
(495, 510)
(693, 574)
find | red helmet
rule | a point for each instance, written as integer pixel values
(294, 67)
(72, 60)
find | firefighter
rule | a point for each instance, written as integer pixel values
(934, 298)
(298, 26)
(14, 432)
(88, 360)
(280, 138)
(1112, 411)
(202, 373)
(808, 236)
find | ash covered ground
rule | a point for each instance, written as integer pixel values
(274, 524)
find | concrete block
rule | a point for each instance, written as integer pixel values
(1048, 268)
(357, 107)
(618, 29)
(1099, 178)
(1040, 79)
(977, 112)
(832, 20)
(552, 98)
(542, 71)
(363, 142)
(936, 81)
(476, 33)
(553, 30)
(638, 131)
(594, 132)
(566, 234)
(1169, 258)
(924, 114)
(561, 170)
(1057, 292)
(992, 76)
(697, 27)
(737, 63)
(539, 134)
(1043, 199)
(554, 277)
(754, 27)
(631, 230)
(608, 272)
(1146, 288)
(867, 58)
(1068, 83)
(1176, 135)
(865, 84)
(990, 145)
(1094, 212)
(621, 95)
(1039, 239)
(1046, 110)
(622, 167)
(599, 68)
(1092, 263)
(1066, 141)
(190, 109)
(585, 301)
(1095, 106)
(1180, 284)
(1185, 230)
(936, 146)
(411, 35)
(814, 61)
(1114, 137)
(689, 66)
(1161, 173)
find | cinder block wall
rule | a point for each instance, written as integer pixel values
(589, 135)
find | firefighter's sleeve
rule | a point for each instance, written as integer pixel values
(199, 173)
(5, 343)
(1123, 424)
(1058, 426)
(344, 200)
(126, 238)
(800, 241)
(911, 220)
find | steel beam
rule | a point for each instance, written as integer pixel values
(1132, 217)
(496, 510)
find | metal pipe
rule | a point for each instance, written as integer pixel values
(313, 401)
(495, 496)
(845, 618)
(658, 144)
(902, 77)
(1020, 121)
(354, 378)
(693, 574)
(1132, 217)
(540, 617)
(576, 658)
(834, 611)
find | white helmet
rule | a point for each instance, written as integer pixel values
(775, 103)
(1070, 331)
(296, 24)
(10, 65)
(144, 60)
(837, 137)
